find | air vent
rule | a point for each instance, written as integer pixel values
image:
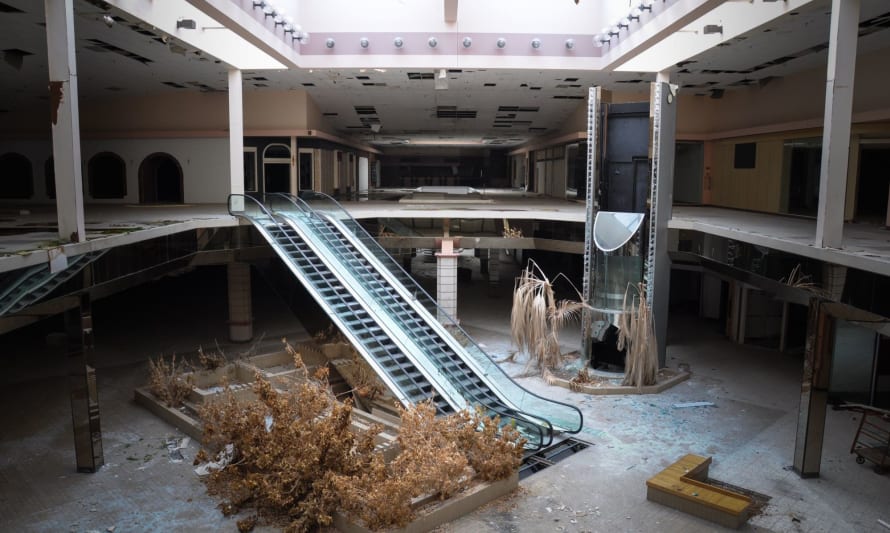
(363, 77)
(174, 84)
(101, 46)
(567, 97)
(365, 110)
(420, 75)
(447, 111)
(330, 114)
(308, 84)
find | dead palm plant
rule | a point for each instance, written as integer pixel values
(636, 332)
(537, 317)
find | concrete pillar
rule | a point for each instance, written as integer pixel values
(494, 266)
(838, 117)
(82, 389)
(65, 118)
(814, 392)
(240, 312)
(446, 279)
(236, 134)
(657, 274)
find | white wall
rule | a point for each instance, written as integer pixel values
(204, 163)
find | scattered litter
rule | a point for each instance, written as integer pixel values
(223, 458)
(549, 510)
(693, 404)
(174, 446)
(631, 466)
(794, 518)
(110, 529)
(883, 523)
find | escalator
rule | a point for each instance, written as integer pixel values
(38, 281)
(366, 300)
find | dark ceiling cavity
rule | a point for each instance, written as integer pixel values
(308, 84)
(629, 81)
(372, 84)
(365, 110)
(174, 84)
(363, 77)
(330, 114)
(99, 45)
(450, 111)
(570, 79)
(15, 57)
(517, 109)
(420, 75)
(567, 97)
(490, 84)
(6, 8)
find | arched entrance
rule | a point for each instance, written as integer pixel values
(160, 180)
(276, 168)
(16, 177)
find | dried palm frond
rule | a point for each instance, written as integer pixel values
(537, 317)
(799, 280)
(636, 333)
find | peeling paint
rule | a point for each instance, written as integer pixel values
(55, 99)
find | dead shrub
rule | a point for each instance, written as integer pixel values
(212, 360)
(296, 457)
(165, 381)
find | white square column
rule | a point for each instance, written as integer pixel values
(446, 279)
(838, 117)
(65, 118)
(236, 133)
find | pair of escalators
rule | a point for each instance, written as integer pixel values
(416, 349)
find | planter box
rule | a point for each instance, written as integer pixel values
(433, 513)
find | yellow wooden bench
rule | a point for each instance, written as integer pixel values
(683, 486)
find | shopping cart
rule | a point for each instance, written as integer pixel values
(872, 441)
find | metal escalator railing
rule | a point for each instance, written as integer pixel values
(376, 346)
(36, 282)
(565, 417)
(439, 353)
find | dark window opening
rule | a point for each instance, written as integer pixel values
(49, 177)
(16, 177)
(107, 176)
(160, 180)
(745, 155)
(873, 185)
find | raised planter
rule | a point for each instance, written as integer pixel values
(667, 378)
(432, 513)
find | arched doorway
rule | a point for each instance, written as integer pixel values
(160, 180)
(107, 176)
(276, 168)
(16, 177)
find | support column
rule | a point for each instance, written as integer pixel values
(446, 279)
(82, 390)
(814, 392)
(838, 117)
(494, 267)
(236, 134)
(65, 118)
(240, 311)
(657, 273)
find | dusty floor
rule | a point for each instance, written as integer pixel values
(750, 432)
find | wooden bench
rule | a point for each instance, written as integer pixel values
(683, 486)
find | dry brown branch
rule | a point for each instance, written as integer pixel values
(799, 280)
(636, 332)
(165, 381)
(296, 457)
